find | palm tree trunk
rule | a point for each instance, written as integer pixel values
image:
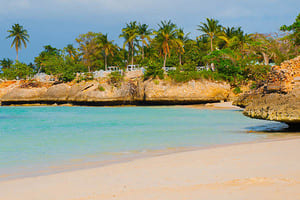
(129, 49)
(211, 43)
(132, 52)
(142, 51)
(179, 58)
(17, 50)
(165, 60)
(105, 61)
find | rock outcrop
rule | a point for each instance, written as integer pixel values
(192, 91)
(277, 107)
(22, 94)
(57, 92)
(279, 97)
(130, 91)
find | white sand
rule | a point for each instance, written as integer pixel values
(266, 171)
(215, 106)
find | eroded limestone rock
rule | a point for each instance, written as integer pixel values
(279, 98)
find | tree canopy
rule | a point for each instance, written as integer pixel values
(228, 53)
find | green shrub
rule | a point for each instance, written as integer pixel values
(257, 72)
(101, 88)
(156, 82)
(115, 78)
(188, 67)
(17, 70)
(253, 86)
(63, 67)
(154, 71)
(186, 76)
(237, 90)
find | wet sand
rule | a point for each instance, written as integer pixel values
(263, 170)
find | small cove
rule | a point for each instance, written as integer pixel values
(50, 139)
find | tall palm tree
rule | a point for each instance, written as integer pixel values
(19, 35)
(183, 38)
(144, 34)
(107, 47)
(166, 39)
(130, 33)
(211, 28)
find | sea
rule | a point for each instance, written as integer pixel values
(41, 140)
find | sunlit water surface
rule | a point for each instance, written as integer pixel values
(45, 139)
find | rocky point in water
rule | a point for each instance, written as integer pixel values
(278, 98)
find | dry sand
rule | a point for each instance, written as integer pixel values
(254, 171)
(215, 106)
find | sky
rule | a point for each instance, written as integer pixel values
(59, 22)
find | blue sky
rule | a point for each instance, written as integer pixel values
(59, 22)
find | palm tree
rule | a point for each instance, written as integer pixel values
(20, 36)
(71, 51)
(6, 63)
(211, 28)
(183, 38)
(166, 39)
(107, 47)
(130, 34)
(144, 34)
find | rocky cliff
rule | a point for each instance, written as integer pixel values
(130, 91)
(278, 98)
(192, 91)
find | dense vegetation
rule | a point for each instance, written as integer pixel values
(229, 52)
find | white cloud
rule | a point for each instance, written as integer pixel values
(141, 8)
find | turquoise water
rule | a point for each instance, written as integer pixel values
(35, 138)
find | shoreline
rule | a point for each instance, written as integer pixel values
(176, 174)
(204, 105)
(73, 167)
(215, 106)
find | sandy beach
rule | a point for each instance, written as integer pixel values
(265, 170)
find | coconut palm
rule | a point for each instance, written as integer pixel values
(19, 35)
(183, 38)
(166, 39)
(6, 63)
(211, 28)
(107, 47)
(234, 37)
(144, 34)
(71, 51)
(130, 33)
